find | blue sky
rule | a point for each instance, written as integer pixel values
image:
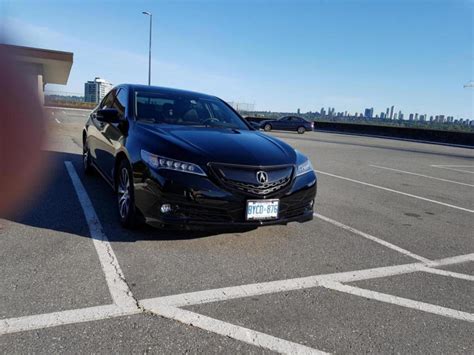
(280, 54)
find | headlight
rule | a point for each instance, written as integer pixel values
(158, 162)
(304, 168)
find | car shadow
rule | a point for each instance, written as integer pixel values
(57, 207)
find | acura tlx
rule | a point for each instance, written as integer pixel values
(180, 158)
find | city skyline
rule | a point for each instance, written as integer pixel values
(299, 53)
(370, 113)
(365, 113)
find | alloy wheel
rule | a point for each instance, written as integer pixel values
(85, 158)
(124, 193)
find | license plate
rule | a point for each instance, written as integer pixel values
(262, 209)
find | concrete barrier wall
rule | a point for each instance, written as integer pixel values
(421, 134)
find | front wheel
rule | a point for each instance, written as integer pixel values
(267, 127)
(301, 130)
(126, 195)
(86, 160)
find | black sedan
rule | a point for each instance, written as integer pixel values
(187, 159)
(288, 123)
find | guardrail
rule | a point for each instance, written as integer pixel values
(419, 134)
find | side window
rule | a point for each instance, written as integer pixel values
(217, 113)
(120, 101)
(107, 100)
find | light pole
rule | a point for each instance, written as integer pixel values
(149, 46)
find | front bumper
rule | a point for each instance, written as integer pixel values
(198, 201)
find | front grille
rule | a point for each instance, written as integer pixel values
(257, 189)
(243, 178)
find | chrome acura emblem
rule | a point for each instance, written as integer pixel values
(262, 177)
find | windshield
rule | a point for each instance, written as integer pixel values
(186, 110)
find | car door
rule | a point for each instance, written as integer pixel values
(297, 122)
(289, 124)
(281, 123)
(95, 141)
(113, 134)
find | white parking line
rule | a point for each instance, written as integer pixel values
(455, 168)
(58, 121)
(39, 321)
(119, 290)
(395, 191)
(422, 175)
(258, 289)
(399, 301)
(372, 238)
(246, 335)
(234, 292)
(452, 260)
(47, 320)
(456, 275)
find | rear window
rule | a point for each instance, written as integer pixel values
(186, 110)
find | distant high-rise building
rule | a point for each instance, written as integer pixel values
(382, 115)
(298, 111)
(416, 116)
(387, 113)
(323, 112)
(410, 118)
(391, 112)
(395, 116)
(400, 115)
(369, 112)
(94, 91)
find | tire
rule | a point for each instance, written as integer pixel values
(125, 195)
(301, 130)
(86, 159)
(267, 127)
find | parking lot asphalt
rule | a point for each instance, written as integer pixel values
(386, 266)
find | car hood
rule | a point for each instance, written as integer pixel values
(204, 145)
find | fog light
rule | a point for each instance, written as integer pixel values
(165, 208)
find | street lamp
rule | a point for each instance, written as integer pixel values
(149, 46)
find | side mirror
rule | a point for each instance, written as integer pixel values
(108, 115)
(255, 125)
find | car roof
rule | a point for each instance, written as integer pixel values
(292, 116)
(164, 90)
